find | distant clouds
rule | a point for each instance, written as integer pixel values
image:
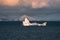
(35, 3)
(54, 3)
(26, 7)
(27, 2)
(39, 3)
(45, 3)
(31, 3)
(9, 2)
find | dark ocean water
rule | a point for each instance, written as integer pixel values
(16, 31)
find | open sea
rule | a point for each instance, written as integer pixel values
(10, 30)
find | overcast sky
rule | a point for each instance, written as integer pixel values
(41, 9)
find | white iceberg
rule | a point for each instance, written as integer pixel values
(27, 23)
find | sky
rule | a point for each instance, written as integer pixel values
(46, 10)
(31, 3)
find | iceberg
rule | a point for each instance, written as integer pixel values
(26, 22)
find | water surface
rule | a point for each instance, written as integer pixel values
(16, 31)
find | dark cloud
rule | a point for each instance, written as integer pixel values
(50, 13)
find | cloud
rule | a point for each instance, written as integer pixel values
(54, 3)
(35, 3)
(31, 3)
(39, 3)
(27, 2)
(9, 2)
(46, 3)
